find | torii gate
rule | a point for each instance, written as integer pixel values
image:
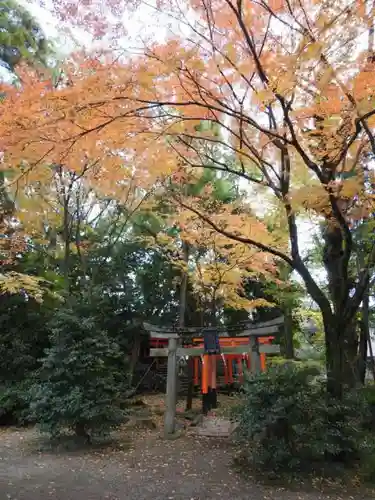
(209, 343)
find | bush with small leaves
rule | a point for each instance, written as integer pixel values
(82, 381)
(287, 421)
(369, 394)
(14, 402)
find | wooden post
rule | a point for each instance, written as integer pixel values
(206, 384)
(196, 371)
(263, 362)
(190, 391)
(226, 376)
(213, 381)
(171, 396)
(213, 372)
(240, 369)
(254, 355)
(205, 374)
(248, 364)
(230, 368)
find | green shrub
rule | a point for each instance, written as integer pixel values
(14, 403)
(287, 421)
(24, 337)
(368, 393)
(82, 380)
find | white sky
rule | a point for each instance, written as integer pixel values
(146, 21)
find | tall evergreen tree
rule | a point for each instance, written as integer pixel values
(21, 37)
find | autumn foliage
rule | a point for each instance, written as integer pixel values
(288, 89)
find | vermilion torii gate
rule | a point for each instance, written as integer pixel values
(248, 339)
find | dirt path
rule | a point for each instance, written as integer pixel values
(153, 469)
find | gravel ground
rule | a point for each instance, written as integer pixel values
(188, 468)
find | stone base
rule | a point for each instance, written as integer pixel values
(216, 427)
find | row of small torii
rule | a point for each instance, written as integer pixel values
(251, 340)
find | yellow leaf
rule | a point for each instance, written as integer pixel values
(326, 78)
(312, 51)
(265, 96)
(350, 188)
(230, 51)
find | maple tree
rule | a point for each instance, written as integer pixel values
(216, 267)
(288, 86)
(213, 266)
(21, 41)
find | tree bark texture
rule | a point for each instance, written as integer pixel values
(340, 330)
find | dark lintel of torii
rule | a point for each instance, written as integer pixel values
(248, 329)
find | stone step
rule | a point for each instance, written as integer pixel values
(216, 427)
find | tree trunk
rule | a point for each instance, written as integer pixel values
(340, 331)
(362, 355)
(287, 338)
(66, 237)
(184, 285)
(135, 354)
(371, 356)
(182, 314)
(364, 337)
(341, 356)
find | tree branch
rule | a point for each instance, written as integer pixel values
(294, 262)
(363, 284)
